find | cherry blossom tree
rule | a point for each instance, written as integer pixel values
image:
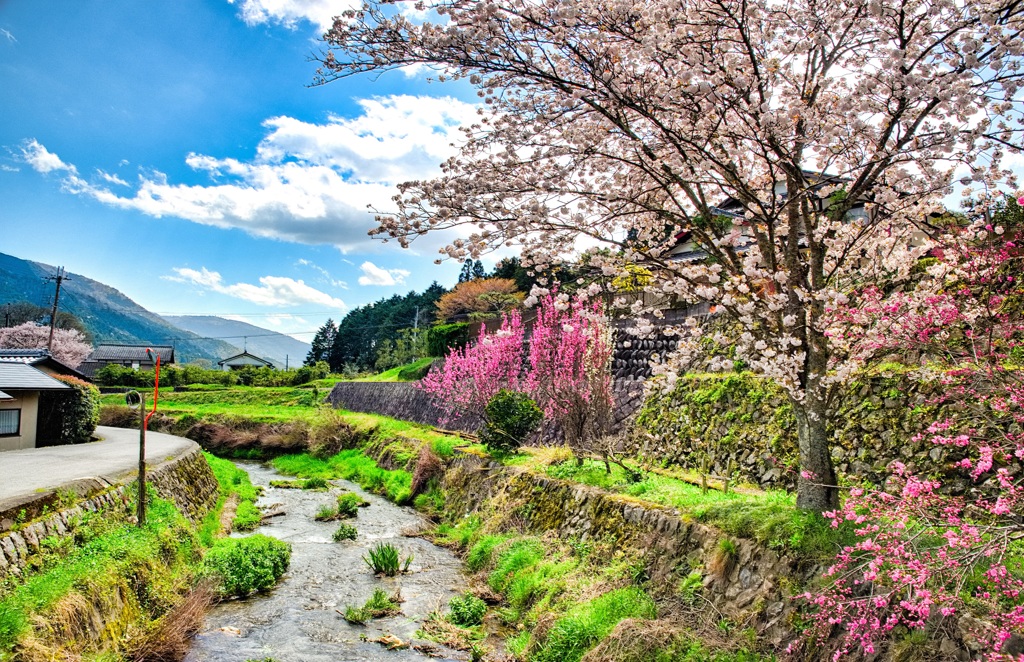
(69, 345)
(628, 123)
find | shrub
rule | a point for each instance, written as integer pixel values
(383, 559)
(246, 565)
(443, 337)
(315, 483)
(349, 504)
(344, 532)
(509, 418)
(69, 416)
(379, 605)
(467, 610)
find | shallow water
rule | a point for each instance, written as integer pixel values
(299, 620)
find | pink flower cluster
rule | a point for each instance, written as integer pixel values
(564, 367)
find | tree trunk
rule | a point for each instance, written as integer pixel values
(816, 487)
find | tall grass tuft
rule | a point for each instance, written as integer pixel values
(384, 559)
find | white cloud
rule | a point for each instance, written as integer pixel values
(42, 160)
(7, 168)
(320, 13)
(374, 275)
(272, 290)
(309, 183)
(323, 272)
(8, 35)
(113, 179)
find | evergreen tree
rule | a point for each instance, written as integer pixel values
(478, 270)
(365, 330)
(321, 346)
(467, 271)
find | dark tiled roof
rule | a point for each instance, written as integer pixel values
(23, 354)
(39, 358)
(18, 376)
(109, 353)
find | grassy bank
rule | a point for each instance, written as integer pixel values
(107, 571)
(769, 517)
(110, 590)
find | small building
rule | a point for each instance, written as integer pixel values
(20, 386)
(244, 360)
(40, 359)
(129, 356)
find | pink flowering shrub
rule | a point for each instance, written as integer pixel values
(565, 369)
(932, 548)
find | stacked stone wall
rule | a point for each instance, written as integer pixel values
(756, 590)
(742, 427)
(187, 480)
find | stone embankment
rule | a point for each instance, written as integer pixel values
(185, 479)
(751, 585)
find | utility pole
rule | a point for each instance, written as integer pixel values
(59, 278)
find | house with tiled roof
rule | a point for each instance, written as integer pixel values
(20, 389)
(244, 360)
(129, 356)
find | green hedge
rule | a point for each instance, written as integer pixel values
(69, 417)
(444, 337)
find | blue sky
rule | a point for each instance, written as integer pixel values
(175, 151)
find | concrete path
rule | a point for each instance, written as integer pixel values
(27, 473)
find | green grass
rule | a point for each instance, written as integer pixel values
(584, 626)
(770, 518)
(154, 556)
(403, 373)
(231, 481)
(247, 517)
(379, 605)
(393, 484)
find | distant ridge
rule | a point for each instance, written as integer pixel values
(109, 315)
(267, 344)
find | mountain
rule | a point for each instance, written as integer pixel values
(264, 343)
(109, 315)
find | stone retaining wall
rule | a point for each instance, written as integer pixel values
(186, 480)
(755, 588)
(742, 425)
(403, 400)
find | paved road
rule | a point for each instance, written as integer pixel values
(35, 470)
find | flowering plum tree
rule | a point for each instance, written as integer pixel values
(69, 345)
(627, 123)
(474, 374)
(570, 368)
(924, 551)
(566, 368)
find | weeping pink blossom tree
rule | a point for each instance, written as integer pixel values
(629, 123)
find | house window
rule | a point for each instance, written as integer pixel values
(10, 422)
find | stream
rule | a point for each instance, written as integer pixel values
(299, 619)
